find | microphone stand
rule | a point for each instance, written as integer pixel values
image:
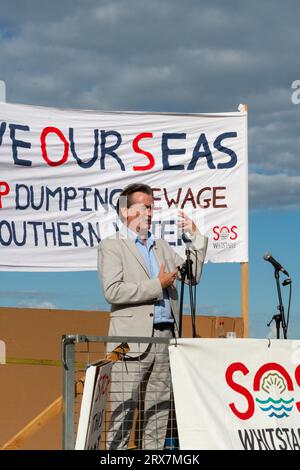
(279, 317)
(186, 271)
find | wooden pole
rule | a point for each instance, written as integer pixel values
(245, 299)
(33, 426)
(245, 266)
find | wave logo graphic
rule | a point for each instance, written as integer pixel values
(274, 383)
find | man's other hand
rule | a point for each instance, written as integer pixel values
(166, 279)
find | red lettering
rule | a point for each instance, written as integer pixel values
(54, 130)
(217, 235)
(189, 197)
(103, 384)
(105, 381)
(4, 191)
(271, 366)
(240, 367)
(206, 200)
(216, 196)
(137, 149)
(297, 377)
(233, 235)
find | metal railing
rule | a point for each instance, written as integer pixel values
(140, 409)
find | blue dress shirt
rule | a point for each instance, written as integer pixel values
(162, 308)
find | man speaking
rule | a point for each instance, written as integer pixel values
(138, 274)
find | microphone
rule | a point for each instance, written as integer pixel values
(269, 257)
(185, 237)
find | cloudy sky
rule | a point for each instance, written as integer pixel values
(179, 56)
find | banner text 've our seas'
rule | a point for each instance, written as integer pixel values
(108, 144)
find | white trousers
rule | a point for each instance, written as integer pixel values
(143, 384)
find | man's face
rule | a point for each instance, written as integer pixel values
(139, 214)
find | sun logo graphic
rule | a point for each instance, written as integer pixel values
(273, 388)
(278, 403)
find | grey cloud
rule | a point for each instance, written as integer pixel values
(274, 191)
(36, 304)
(274, 143)
(214, 310)
(211, 50)
(28, 294)
(164, 56)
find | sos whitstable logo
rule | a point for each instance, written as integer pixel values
(225, 236)
(273, 396)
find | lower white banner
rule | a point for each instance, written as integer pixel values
(237, 393)
(92, 410)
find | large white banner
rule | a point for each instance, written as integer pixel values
(239, 394)
(63, 170)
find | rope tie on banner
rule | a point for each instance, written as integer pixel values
(118, 353)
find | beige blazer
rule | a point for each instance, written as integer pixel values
(127, 285)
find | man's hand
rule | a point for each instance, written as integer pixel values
(166, 279)
(186, 224)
